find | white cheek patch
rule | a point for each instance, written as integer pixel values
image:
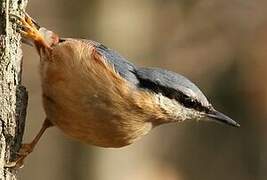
(175, 110)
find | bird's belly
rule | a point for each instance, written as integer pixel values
(96, 125)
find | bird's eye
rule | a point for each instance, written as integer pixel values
(190, 103)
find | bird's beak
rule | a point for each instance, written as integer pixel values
(220, 117)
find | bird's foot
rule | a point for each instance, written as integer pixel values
(24, 151)
(29, 29)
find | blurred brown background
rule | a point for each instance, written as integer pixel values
(220, 45)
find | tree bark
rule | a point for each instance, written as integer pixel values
(13, 96)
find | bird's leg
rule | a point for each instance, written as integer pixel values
(30, 30)
(26, 149)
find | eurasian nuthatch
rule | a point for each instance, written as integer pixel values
(96, 96)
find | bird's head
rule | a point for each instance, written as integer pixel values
(179, 98)
(187, 108)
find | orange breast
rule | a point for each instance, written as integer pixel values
(89, 101)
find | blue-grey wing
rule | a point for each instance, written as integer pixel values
(120, 64)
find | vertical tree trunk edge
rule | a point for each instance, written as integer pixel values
(13, 96)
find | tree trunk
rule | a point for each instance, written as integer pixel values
(13, 96)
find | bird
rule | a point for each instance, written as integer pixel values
(96, 96)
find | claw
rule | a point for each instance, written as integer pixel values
(31, 19)
(24, 151)
(29, 29)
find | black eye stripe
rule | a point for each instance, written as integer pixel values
(189, 102)
(171, 93)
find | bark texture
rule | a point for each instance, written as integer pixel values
(13, 96)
